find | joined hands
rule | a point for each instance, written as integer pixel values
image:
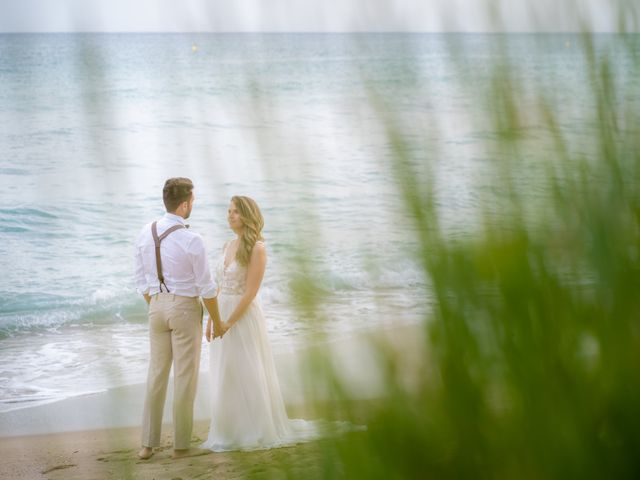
(219, 329)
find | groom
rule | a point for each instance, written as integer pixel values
(172, 273)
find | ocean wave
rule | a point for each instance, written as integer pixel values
(25, 220)
(274, 294)
(17, 395)
(13, 229)
(110, 301)
(11, 325)
(28, 313)
(14, 302)
(103, 295)
(398, 276)
(14, 171)
(27, 212)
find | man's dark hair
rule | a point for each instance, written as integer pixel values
(176, 191)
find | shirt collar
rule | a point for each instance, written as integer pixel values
(174, 218)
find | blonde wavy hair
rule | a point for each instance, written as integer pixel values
(253, 223)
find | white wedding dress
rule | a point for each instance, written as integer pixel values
(247, 411)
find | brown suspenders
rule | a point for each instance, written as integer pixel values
(157, 239)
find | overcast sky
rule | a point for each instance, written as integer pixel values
(311, 15)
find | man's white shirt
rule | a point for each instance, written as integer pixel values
(184, 261)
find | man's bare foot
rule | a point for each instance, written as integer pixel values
(145, 453)
(189, 452)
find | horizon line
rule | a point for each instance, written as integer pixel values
(319, 32)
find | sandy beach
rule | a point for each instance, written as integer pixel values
(97, 436)
(110, 454)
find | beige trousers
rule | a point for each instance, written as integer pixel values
(175, 336)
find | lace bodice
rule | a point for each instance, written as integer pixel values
(231, 280)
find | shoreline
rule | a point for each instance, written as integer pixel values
(121, 406)
(111, 454)
(97, 435)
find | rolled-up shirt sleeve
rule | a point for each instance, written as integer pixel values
(205, 284)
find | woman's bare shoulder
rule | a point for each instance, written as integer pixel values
(259, 250)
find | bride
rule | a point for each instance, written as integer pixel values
(247, 407)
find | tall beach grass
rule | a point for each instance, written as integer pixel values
(531, 365)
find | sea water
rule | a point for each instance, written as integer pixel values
(92, 125)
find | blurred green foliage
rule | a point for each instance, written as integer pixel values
(532, 356)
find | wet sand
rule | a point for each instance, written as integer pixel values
(97, 436)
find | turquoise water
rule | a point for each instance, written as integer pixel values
(92, 125)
